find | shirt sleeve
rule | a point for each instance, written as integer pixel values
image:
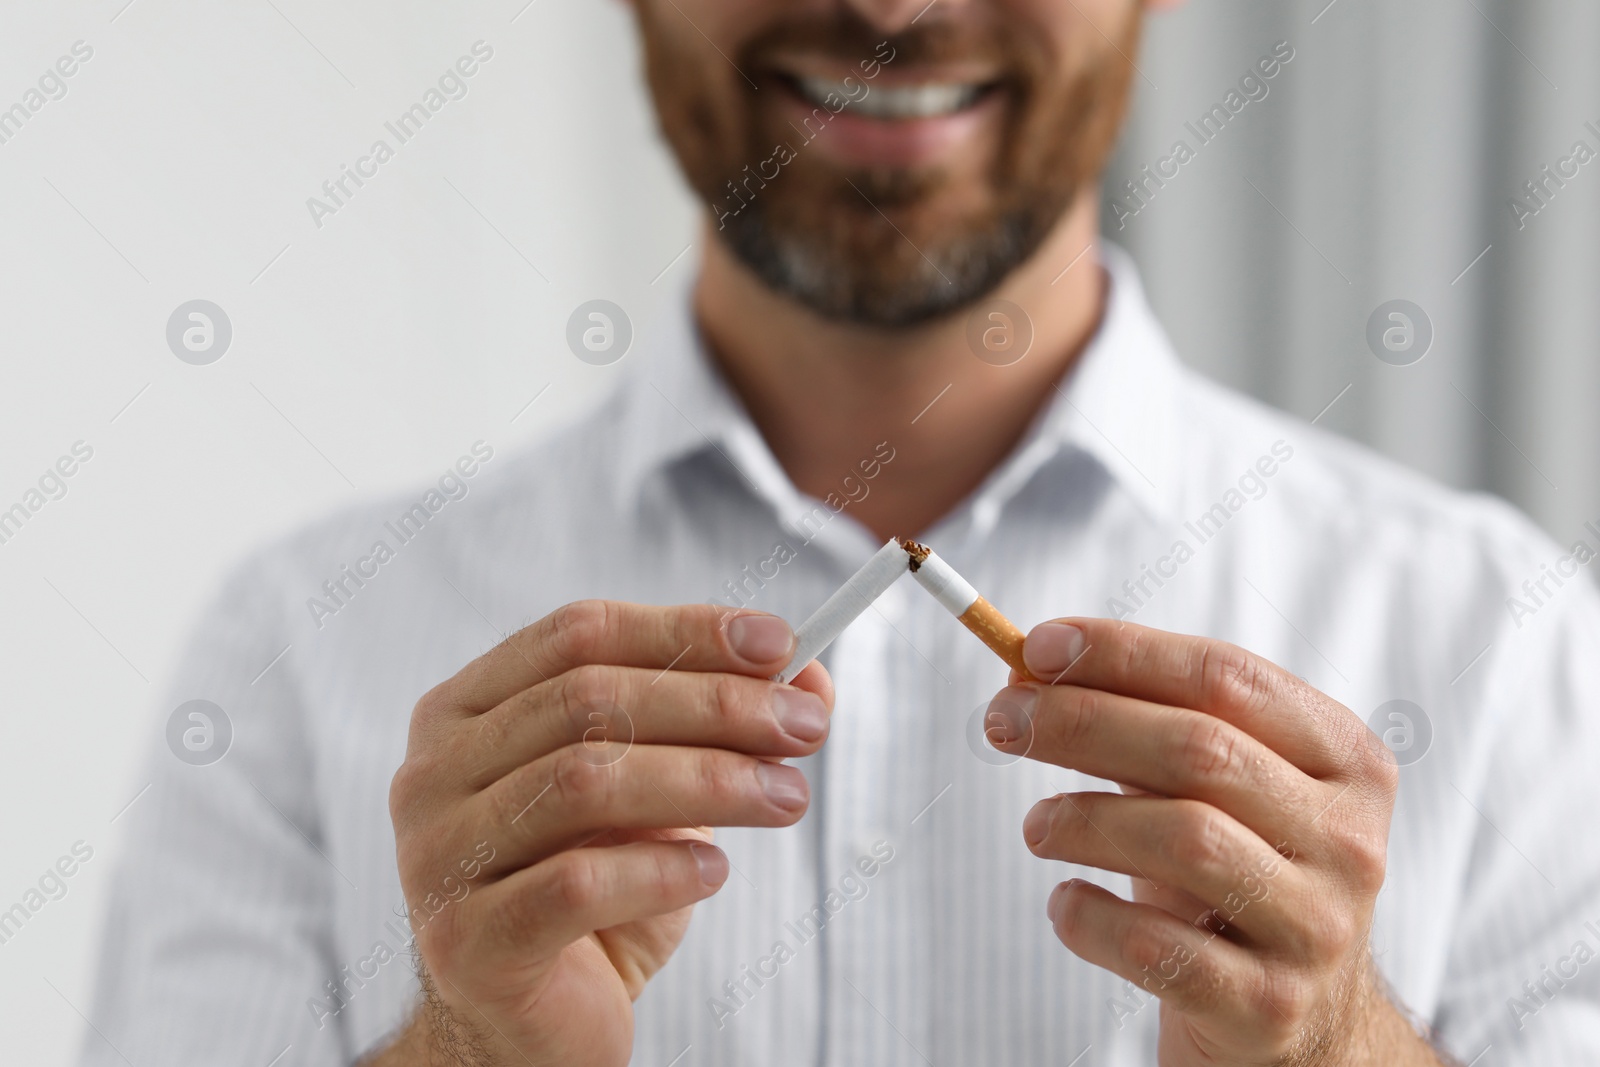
(218, 932)
(1522, 988)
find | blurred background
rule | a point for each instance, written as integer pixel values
(370, 346)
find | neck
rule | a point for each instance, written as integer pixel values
(832, 399)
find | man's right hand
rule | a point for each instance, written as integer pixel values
(552, 818)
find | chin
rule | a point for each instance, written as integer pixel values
(907, 264)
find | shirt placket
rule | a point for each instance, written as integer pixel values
(874, 992)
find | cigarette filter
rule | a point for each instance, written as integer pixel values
(845, 605)
(962, 600)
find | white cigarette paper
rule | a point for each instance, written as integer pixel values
(845, 605)
(960, 599)
(947, 587)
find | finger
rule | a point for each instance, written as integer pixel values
(813, 678)
(1244, 886)
(539, 910)
(1189, 971)
(561, 800)
(1308, 728)
(693, 637)
(593, 705)
(1158, 749)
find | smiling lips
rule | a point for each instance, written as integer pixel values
(891, 102)
(897, 120)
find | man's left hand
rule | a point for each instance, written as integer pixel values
(1253, 820)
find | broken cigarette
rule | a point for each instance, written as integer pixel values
(845, 606)
(895, 558)
(962, 600)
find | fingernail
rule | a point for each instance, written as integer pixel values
(1051, 648)
(1036, 826)
(801, 714)
(783, 785)
(1010, 715)
(1058, 900)
(760, 638)
(713, 863)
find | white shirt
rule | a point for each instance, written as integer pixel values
(255, 881)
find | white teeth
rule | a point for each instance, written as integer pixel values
(899, 102)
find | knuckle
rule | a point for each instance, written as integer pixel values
(719, 778)
(579, 784)
(1231, 677)
(577, 630)
(1204, 988)
(414, 788)
(411, 858)
(1147, 952)
(576, 885)
(1363, 853)
(586, 688)
(665, 879)
(1070, 820)
(697, 624)
(402, 787)
(439, 942)
(1072, 714)
(1332, 934)
(1386, 773)
(475, 748)
(1210, 749)
(1200, 839)
(1284, 1000)
(1079, 825)
(1378, 765)
(432, 704)
(1127, 646)
(1372, 868)
(726, 700)
(402, 807)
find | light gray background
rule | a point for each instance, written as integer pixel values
(371, 352)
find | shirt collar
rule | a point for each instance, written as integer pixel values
(1119, 406)
(676, 405)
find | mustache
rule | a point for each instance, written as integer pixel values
(847, 37)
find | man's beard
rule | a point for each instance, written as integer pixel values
(891, 247)
(847, 266)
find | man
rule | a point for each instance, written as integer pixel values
(902, 324)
